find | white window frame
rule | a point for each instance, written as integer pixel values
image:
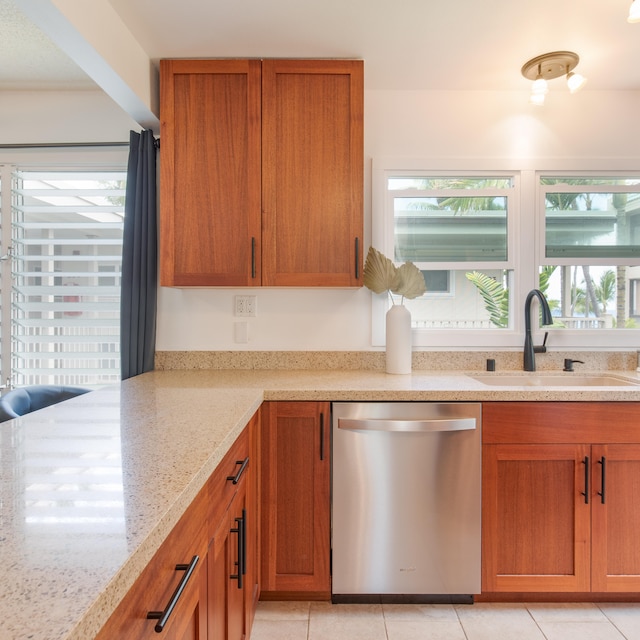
(64, 158)
(383, 240)
(525, 223)
(582, 338)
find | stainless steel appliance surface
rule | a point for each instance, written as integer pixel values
(406, 501)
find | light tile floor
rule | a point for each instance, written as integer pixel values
(481, 621)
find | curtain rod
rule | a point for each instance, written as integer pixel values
(56, 145)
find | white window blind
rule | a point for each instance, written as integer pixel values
(66, 265)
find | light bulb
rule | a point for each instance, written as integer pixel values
(539, 86)
(634, 11)
(575, 82)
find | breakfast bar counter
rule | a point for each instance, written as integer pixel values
(91, 487)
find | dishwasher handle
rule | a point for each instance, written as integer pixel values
(389, 424)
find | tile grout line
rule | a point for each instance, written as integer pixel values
(542, 633)
(611, 622)
(464, 631)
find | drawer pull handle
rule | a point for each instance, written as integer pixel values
(241, 563)
(163, 616)
(585, 493)
(253, 257)
(603, 462)
(243, 465)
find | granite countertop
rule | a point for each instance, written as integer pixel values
(91, 487)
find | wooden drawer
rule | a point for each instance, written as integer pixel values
(221, 489)
(158, 582)
(560, 422)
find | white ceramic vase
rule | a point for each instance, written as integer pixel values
(398, 334)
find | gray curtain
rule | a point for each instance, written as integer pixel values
(139, 259)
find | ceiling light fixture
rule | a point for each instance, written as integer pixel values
(549, 66)
(634, 11)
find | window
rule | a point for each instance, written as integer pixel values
(459, 230)
(61, 281)
(499, 233)
(591, 249)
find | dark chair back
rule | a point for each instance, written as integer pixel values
(18, 402)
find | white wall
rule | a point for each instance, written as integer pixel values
(38, 117)
(410, 124)
(432, 125)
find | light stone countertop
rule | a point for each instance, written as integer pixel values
(91, 487)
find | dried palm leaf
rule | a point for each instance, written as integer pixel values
(411, 283)
(380, 274)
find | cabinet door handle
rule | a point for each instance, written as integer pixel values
(163, 616)
(244, 542)
(253, 257)
(240, 563)
(235, 479)
(585, 493)
(322, 436)
(603, 462)
(357, 258)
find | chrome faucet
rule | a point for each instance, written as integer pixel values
(529, 349)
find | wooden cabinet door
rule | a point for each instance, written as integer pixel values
(226, 586)
(536, 518)
(295, 501)
(210, 213)
(252, 524)
(312, 172)
(615, 518)
(232, 557)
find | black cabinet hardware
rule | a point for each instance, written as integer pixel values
(253, 257)
(601, 493)
(241, 549)
(585, 493)
(163, 616)
(235, 479)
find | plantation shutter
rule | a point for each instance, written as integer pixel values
(66, 257)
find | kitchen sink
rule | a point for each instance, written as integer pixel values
(552, 380)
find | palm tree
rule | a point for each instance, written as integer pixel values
(606, 289)
(495, 296)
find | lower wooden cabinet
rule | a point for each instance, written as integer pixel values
(295, 500)
(181, 560)
(212, 552)
(227, 574)
(233, 534)
(561, 497)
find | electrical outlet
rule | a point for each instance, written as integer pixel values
(246, 306)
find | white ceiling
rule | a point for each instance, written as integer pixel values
(28, 58)
(406, 44)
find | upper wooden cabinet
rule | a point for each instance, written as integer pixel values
(210, 172)
(261, 177)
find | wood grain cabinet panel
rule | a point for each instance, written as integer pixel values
(233, 534)
(561, 497)
(295, 501)
(536, 533)
(616, 518)
(261, 178)
(312, 164)
(210, 188)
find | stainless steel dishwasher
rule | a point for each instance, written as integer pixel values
(406, 500)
